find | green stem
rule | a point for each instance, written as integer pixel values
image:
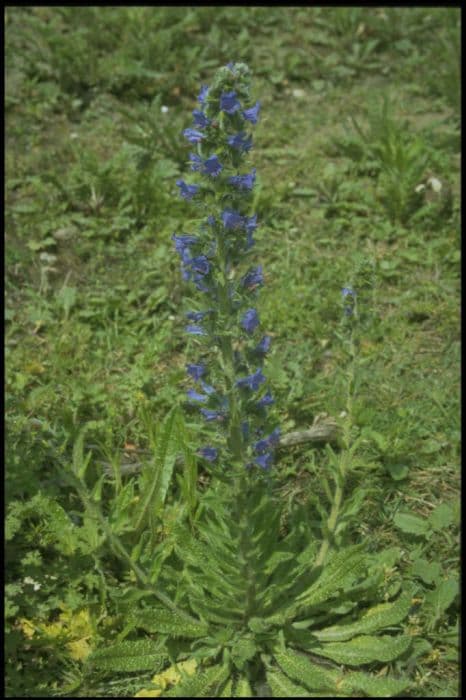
(120, 550)
(344, 462)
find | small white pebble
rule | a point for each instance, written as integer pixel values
(419, 188)
(164, 109)
(31, 582)
(172, 318)
(74, 135)
(298, 93)
(435, 184)
(343, 414)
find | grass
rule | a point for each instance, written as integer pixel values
(360, 123)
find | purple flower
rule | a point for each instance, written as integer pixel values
(211, 220)
(273, 439)
(264, 345)
(252, 114)
(209, 453)
(200, 119)
(196, 161)
(264, 461)
(207, 388)
(240, 141)
(349, 300)
(212, 166)
(251, 225)
(200, 264)
(210, 415)
(193, 136)
(229, 103)
(195, 330)
(253, 278)
(187, 191)
(196, 315)
(231, 219)
(203, 94)
(195, 371)
(250, 320)
(183, 242)
(195, 396)
(253, 381)
(266, 400)
(243, 182)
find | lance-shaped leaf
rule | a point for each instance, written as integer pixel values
(372, 686)
(203, 685)
(167, 622)
(364, 650)
(242, 688)
(298, 667)
(374, 619)
(282, 687)
(155, 479)
(142, 655)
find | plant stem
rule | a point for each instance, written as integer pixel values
(344, 460)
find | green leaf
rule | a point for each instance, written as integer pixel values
(159, 474)
(373, 686)
(243, 689)
(126, 657)
(282, 687)
(339, 572)
(299, 668)
(227, 690)
(442, 517)
(167, 622)
(440, 599)
(243, 650)
(413, 524)
(428, 571)
(364, 650)
(203, 685)
(376, 618)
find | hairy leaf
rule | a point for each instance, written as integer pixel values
(167, 622)
(374, 619)
(142, 655)
(204, 685)
(300, 668)
(364, 650)
(282, 687)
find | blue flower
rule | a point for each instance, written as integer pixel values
(203, 94)
(210, 415)
(195, 396)
(195, 371)
(264, 345)
(187, 191)
(207, 388)
(250, 320)
(196, 315)
(200, 264)
(212, 166)
(253, 278)
(349, 300)
(253, 381)
(263, 445)
(251, 225)
(229, 102)
(196, 161)
(252, 114)
(209, 453)
(266, 400)
(183, 242)
(264, 461)
(231, 219)
(193, 136)
(195, 330)
(240, 141)
(200, 119)
(243, 182)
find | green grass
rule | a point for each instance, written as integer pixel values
(360, 108)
